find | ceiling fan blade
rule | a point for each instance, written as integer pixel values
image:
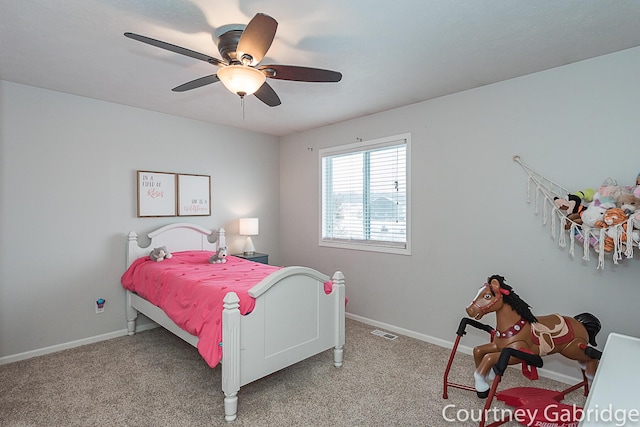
(257, 38)
(300, 74)
(202, 81)
(267, 95)
(175, 49)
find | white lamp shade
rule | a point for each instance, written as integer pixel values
(241, 79)
(248, 227)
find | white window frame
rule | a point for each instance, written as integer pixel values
(363, 245)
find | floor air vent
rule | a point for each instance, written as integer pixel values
(383, 334)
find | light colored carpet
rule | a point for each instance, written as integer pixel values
(155, 379)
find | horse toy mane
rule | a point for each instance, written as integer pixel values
(514, 300)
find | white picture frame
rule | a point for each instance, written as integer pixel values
(156, 194)
(194, 195)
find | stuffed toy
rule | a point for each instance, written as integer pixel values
(635, 218)
(634, 225)
(160, 254)
(586, 195)
(635, 188)
(575, 218)
(610, 219)
(571, 205)
(610, 189)
(628, 203)
(595, 211)
(220, 257)
(574, 205)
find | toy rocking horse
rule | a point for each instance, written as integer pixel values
(519, 329)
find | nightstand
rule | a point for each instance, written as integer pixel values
(256, 257)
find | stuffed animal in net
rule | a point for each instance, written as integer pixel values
(634, 224)
(160, 254)
(610, 189)
(220, 257)
(611, 219)
(586, 195)
(628, 203)
(593, 215)
(636, 189)
(595, 211)
(574, 218)
(571, 205)
(635, 220)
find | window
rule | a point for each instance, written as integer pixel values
(365, 197)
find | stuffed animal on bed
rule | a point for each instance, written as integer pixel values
(220, 257)
(160, 254)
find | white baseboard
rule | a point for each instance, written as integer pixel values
(567, 379)
(72, 344)
(556, 376)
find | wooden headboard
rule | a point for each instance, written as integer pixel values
(176, 237)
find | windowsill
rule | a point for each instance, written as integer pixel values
(367, 247)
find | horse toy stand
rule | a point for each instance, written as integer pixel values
(534, 406)
(459, 334)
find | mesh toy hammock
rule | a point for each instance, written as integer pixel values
(545, 191)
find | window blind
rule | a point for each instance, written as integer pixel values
(364, 194)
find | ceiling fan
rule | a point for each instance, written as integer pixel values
(242, 48)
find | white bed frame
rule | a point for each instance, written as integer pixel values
(293, 318)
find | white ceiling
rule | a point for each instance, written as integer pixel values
(391, 53)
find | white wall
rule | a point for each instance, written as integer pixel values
(578, 124)
(68, 199)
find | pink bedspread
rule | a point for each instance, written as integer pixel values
(190, 291)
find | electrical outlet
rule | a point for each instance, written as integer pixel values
(100, 305)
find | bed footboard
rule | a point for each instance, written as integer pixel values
(293, 319)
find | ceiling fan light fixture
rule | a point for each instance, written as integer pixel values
(240, 79)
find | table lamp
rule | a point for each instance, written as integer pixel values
(248, 227)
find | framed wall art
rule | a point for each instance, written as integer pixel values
(194, 195)
(156, 194)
